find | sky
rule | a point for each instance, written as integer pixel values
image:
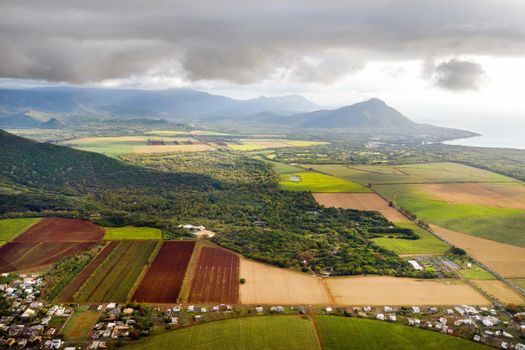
(448, 62)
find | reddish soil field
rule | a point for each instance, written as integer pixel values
(21, 255)
(163, 281)
(216, 277)
(62, 230)
(78, 281)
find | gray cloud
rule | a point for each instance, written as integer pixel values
(246, 41)
(459, 75)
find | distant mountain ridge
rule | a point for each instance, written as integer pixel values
(174, 103)
(24, 120)
(286, 113)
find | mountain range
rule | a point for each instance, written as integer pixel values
(18, 108)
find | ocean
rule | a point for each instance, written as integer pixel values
(506, 133)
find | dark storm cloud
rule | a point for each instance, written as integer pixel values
(244, 41)
(459, 75)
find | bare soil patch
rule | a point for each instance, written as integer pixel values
(267, 284)
(500, 291)
(216, 277)
(359, 201)
(62, 230)
(385, 290)
(505, 259)
(15, 256)
(163, 281)
(491, 194)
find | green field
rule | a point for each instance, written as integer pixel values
(316, 182)
(476, 273)
(520, 282)
(80, 324)
(306, 143)
(115, 277)
(254, 333)
(131, 232)
(426, 244)
(116, 145)
(412, 173)
(504, 225)
(354, 333)
(247, 147)
(10, 228)
(294, 332)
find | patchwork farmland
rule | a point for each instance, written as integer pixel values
(163, 280)
(16, 256)
(215, 277)
(69, 291)
(113, 279)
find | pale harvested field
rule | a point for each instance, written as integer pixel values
(171, 148)
(505, 259)
(385, 290)
(500, 291)
(266, 284)
(496, 195)
(271, 144)
(359, 201)
(109, 139)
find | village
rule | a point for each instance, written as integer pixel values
(28, 322)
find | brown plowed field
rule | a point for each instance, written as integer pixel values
(359, 201)
(216, 277)
(21, 255)
(78, 281)
(495, 195)
(62, 230)
(163, 281)
(505, 259)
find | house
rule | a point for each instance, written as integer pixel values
(190, 308)
(477, 338)
(328, 310)
(392, 318)
(415, 265)
(388, 309)
(380, 317)
(259, 309)
(416, 309)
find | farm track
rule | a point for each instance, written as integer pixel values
(70, 290)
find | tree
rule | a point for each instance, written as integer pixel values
(242, 280)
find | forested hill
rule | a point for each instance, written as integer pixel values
(66, 170)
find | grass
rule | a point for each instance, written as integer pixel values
(354, 333)
(520, 282)
(247, 147)
(316, 182)
(412, 173)
(10, 228)
(426, 244)
(305, 143)
(476, 273)
(131, 232)
(504, 225)
(80, 324)
(255, 333)
(117, 274)
(284, 169)
(116, 145)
